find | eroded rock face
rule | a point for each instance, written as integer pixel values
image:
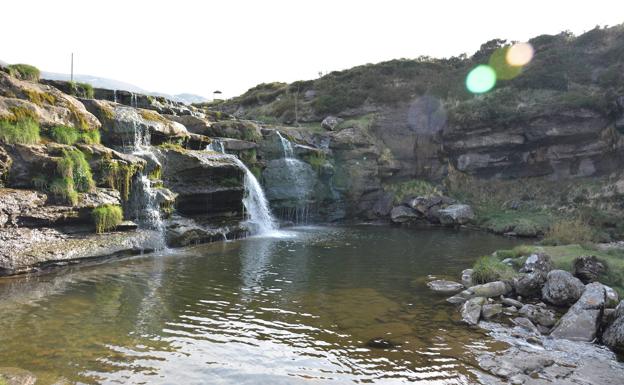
(49, 106)
(561, 288)
(204, 183)
(582, 320)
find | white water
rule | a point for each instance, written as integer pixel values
(301, 213)
(257, 212)
(287, 147)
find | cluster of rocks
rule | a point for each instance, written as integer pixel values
(432, 209)
(537, 296)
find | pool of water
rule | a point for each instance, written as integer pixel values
(284, 310)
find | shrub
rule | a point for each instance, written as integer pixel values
(24, 131)
(82, 176)
(107, 217)
(82, 89)
(489, 269)
(24, 71)
(567, 231)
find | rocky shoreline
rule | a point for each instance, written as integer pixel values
(558, 325)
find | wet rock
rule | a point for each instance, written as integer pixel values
(512, 302)
(466, 278)
(16, 376)
(403, 214)
(289, 182)
(613, 335)
(491, 289)
(526, 324)
(460, 297)
(330, 123)
(443, 286)
(561, 288)
(589, 268)
(491, 310)
(582, 320)
(380, 343)
(471, 310)
(537, 262)
(457, 214)
(529, 285)
(510, 310)
(538, 315)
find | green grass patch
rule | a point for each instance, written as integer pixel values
(569, 231)
(24, 71)
(70, 135)
(107, 217)
(490, 268)
(118, 175)
(364, 121)
(74, 175)
(63, 189)
(23, 131)
(411, 188)
(524, 223)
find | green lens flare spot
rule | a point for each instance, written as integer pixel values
(481, 79)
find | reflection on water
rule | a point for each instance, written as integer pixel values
(258, 311)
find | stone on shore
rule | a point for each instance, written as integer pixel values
(561, 288)
(443, 286)
(582, 320)
(613, 335)
(471, 310)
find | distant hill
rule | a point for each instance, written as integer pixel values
(112, 84)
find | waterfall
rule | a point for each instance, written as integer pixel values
(257, 212)
(287, 147)
(115, 96)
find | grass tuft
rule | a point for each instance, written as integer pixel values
(489, 269)
(107, 217)
(574, 231)
(24, 71)
(23, 131)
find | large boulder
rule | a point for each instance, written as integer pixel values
(538, 315)
(537, 262)
(403, 214)
(330, 123)
(582, 320)
(458, 214)
(534, 274)
(471, 310)
(561, 288)
(589, 268)
(613, 335)
(487, 290)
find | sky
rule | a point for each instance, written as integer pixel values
(199, 46)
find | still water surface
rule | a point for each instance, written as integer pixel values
(291, 310)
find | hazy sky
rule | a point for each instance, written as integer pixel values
(198, 46)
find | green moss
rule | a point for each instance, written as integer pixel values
(22, 113)
(79, 117)
(118, 175)
(317, 160)
(40, 98)
(156, 173)
(489, 269)
(73, 166)
(24, 71)
(107, 217)
(107, 111)
(152, 116)
(23, 131)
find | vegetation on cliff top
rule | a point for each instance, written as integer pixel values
(24, 71)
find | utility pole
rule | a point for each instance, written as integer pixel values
(296, 110)
(72, 68)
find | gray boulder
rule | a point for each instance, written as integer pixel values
(403, 214)
(582, 320)
(443, 286)
(471, 310)
(458, 214)
(466, 278)
(460, 297)
(512, 302)
(613, 297)
(613, 335)
(589, 268)
(491, 289)
(537, 262)
(491, 310)
(330, 123)
(525, 323)
(529, 285)
(538, 315)
(561, 288)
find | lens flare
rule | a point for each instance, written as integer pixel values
(520, 54)
(498, 62)
(481, 79)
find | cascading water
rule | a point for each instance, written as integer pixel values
(257, 212)
(301, 212)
